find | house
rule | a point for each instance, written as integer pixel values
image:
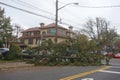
(36, 35)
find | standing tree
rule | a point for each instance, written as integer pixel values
(93, 28)
(5, 28)
(98, 31)
(17, 29)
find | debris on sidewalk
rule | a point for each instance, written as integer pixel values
(13, 65)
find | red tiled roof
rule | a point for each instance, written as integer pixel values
(32, 29)
(53, 25)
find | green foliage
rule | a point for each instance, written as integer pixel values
(29, 50)
(86, 59)
(15, 52)
(81, 44)
(1, 44)
(5, 27)
(50, 44)
(63, 63)
(92, 46)
(60, 49)
(0, 56)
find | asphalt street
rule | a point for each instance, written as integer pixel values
(110, 74)
(65, 73)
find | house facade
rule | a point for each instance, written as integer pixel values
(36, 35)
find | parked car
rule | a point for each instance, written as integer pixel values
(4, 52)
(25, 52)
(109, 54)
(103, 52)
(117, 55)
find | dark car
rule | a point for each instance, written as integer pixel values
(4, 52)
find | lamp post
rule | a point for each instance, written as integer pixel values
(56, 16)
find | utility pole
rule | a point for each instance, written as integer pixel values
(56, 17)
(56, 20)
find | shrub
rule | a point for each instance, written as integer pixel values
(0, 56)
(15, 52)
(64, 63)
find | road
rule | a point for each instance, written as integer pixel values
(64, 72)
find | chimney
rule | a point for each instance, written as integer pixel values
(70, 28)
(42, 24)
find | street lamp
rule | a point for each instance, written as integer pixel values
(68, 4)
(56, 16)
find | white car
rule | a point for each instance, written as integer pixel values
(103, 52)
(3, 50)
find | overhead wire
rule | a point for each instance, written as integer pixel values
(26, 11)
(34, 7)
(114, 6)
(31, 6)
(23, 10)
(50, 13)
(70, 19)
(110, 6)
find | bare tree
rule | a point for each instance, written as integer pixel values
(98, 29)
(94, 27)
(17, 30)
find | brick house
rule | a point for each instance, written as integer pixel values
(33, 36)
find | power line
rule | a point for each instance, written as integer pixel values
(30, 5)
(25, 11)
(112, 6)
(71, 16)
(32, 13)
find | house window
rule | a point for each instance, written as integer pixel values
(36, 33)
(52, 31)
(22, 41)
(62, 32)
(43, 35)
(28, 34)
(30, 41)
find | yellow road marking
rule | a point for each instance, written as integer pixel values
(84, 74)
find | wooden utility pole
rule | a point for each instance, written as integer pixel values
(56, 21)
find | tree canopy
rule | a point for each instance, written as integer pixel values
(5, 27)
(99, 30)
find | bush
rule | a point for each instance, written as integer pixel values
(64, 63)
(15, 52)
(0, 56)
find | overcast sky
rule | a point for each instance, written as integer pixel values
(71, 14)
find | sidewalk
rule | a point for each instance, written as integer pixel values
(13, 65)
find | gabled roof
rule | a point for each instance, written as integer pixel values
(53, 25)
(32, 29)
